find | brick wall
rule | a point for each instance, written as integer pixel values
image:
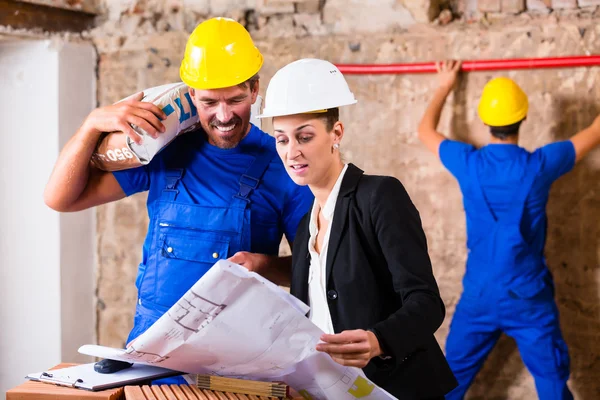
(140, 44)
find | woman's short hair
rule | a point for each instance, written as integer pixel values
(329, 117)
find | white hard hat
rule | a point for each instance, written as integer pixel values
(305, 86)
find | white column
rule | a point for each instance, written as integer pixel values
(47, 307)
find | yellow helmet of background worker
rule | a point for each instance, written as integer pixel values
(502, 103)
(219, 53)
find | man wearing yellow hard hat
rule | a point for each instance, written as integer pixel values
(215, 193)
(507, 286)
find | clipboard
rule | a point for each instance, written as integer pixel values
(84, 377)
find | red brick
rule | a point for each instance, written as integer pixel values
(489, 5)
(513, 6)
(588, 3)
(538, 5)
(556, 4)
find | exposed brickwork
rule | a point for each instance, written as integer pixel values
(140, 44)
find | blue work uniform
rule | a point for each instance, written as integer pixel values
(206, 203)
(507, 286)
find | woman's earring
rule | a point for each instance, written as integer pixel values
(336, 146)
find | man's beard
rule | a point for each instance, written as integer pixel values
(227, 142)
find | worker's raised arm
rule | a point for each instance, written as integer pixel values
(428, 134)
(74, 184)
(586, 140)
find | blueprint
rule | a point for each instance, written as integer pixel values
(235, 323)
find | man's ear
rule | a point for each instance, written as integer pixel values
(254, 90)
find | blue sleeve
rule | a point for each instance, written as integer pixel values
(134, 180)
(556, 159)
(454, 156)
(299, 202)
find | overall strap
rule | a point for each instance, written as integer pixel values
(250, 180)
(172, 178)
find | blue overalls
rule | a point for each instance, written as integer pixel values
(507, 288)
(187, 239)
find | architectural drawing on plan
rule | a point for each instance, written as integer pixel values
(150, 358)
(194, 312)
(233, 322)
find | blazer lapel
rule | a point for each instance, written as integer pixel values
(301, 266)
(340, 216)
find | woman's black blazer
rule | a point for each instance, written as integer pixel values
(379, 277)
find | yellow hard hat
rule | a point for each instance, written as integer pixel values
(219, 53)
(502, 103)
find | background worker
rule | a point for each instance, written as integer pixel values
(215, 193)
(507, 286)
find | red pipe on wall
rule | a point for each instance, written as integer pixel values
(476, 65)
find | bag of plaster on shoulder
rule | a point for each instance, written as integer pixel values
(116, 151)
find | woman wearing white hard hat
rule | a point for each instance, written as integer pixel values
(360, 256)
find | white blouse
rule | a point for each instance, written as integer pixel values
(317, 289)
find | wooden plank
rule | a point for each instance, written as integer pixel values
(44, 391)
(220, 395)
(148, 392)
(184, 392)
(158, 393)
(168, 392)
(198, 392)
(189, 392)
(178, 392)
(21, 15)
(210, 394)
(134, 393)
